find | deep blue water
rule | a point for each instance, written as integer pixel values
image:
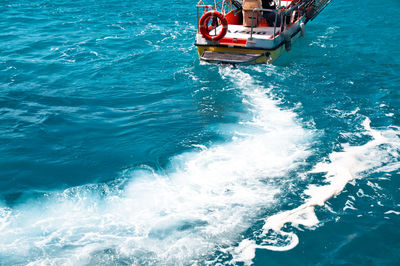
(118, 147)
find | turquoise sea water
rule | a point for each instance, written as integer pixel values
(117, 147)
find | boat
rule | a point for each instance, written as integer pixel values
(251, 31)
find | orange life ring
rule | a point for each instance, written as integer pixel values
(205, 30)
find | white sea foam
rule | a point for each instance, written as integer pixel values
(341, 168)
(392, 212)
(201, 205)
(353, 162)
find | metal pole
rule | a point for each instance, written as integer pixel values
(267, 10)
(198, 20)
(252, 22)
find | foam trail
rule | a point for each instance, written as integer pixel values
(379, 155)
(341, 168)
(201, 205)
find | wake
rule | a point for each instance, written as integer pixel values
(198, 209)
(378, 155)
(202, 204)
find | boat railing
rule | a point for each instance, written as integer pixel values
(264, 10)
(278, 13)
(204, 7)
(221, 5)
(297, 6)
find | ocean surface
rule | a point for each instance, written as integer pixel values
(118, 147)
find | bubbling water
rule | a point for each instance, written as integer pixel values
(202, 203)
(377, 155)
